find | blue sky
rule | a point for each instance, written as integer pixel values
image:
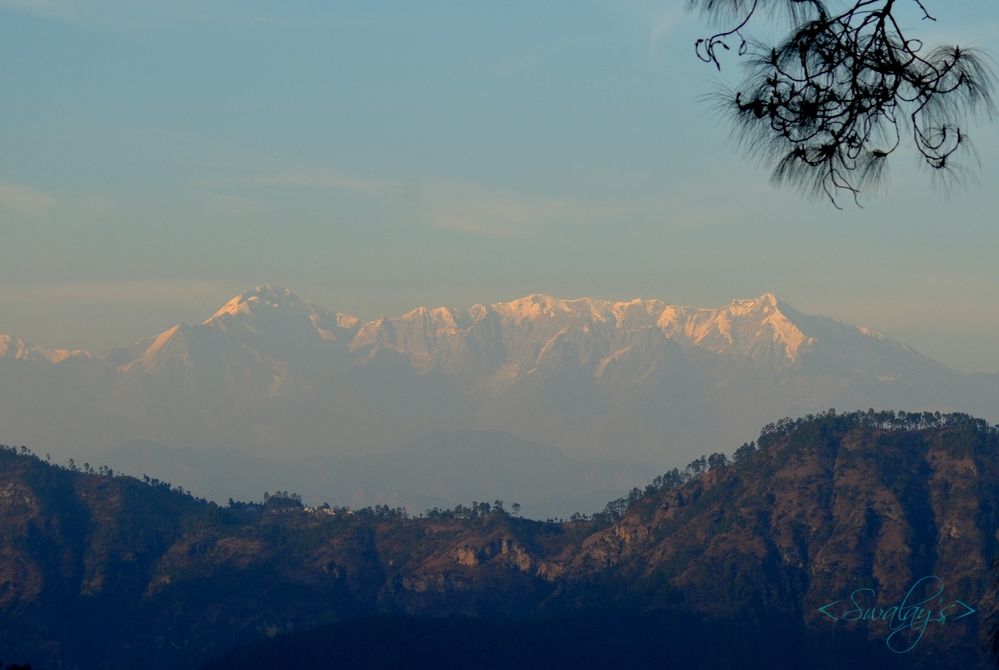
(156, 158)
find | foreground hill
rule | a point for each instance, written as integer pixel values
(111, 572)
(280, 379)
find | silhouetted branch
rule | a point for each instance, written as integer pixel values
(828, 105)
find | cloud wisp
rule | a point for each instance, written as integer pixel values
(23, 200)
(455, 205)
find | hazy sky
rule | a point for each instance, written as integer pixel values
(158, 157)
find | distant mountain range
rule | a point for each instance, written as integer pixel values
(277, 384)
(750, 563)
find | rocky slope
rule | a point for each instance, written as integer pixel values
(103, 571)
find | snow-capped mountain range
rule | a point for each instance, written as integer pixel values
(275, 376)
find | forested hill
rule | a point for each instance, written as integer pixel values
(103, 571)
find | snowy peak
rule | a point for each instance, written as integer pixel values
(263, 297)
(529, 308)
(267, 328)
(14, 348)
(538, 306)
(272, 326)
(641, 376)
(753, 326)
(767, 301)
(747, 327)
(442, 320)
(170, 344)
(520, 332)
(418, 333)
(277, 311)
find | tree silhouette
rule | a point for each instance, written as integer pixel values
(826, 106)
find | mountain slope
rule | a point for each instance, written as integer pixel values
(108, 572)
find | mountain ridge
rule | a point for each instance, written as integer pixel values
(535, 305)
(634, 381)
(102, 570)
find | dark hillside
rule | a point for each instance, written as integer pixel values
(111, 572)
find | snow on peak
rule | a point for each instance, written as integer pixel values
(278, 314)
(265, 295)
(529, 307)
(870, 332)
(347, 321)
(13, 347)
(767, 301)
(442, 320)
(759, 321)
(537, 305)
(17, 349)
(478, 312)
(745, 327)
(445, 318)
(171, 340)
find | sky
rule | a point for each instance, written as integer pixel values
(157, 158)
